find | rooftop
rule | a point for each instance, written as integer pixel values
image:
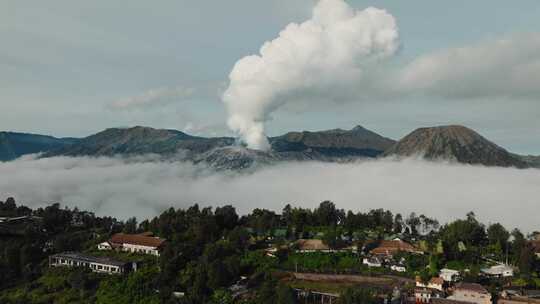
(137, 239)
(314, 244)
(387, 247)
(471, 287)
(446, 301)
(88, 258)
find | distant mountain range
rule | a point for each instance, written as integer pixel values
(454, 143)
(13, 145)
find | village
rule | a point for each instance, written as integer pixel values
(446, 288)
(394, 261)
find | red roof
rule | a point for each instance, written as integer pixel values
(391, 247)
(136, 239)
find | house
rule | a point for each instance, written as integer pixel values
(398, 268)
(143, 243)
(498, 271)
(389, 248)
(20, 219)
(372, 262)
(472, 293)
(446, 301)
(96, 264)
(272, 250)
(519, 297)
(449, 275)
(434, 283)
(312, 245)
(426, 295)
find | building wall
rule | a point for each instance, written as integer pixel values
(140, 249)
(104, 246)
(96, 267)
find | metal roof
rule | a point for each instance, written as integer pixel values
(89, 259)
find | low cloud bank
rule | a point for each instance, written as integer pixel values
(144, 187)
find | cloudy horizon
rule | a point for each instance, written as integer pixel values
(70, 69)
(144, 187)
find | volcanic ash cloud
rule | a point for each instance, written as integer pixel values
(328, 51)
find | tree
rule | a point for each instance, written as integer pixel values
(131, 225)
(327, 214)
(496, 233)
(285, 295)
(239, 238)
(332, 238)
(413, 222)
(267, 292)
(79, 281)
(526, 261)
(518, 243)
(469, 232)
(357, 295)
(226, 217)
(398, 223)
(222, 296)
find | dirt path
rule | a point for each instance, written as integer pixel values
(345, 278)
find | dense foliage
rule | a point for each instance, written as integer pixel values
(210, 250)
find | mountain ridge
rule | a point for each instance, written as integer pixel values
(452, 142)
(16, 144)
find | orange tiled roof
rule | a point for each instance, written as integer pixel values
(136, 239)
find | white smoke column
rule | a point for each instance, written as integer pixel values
(330, 49)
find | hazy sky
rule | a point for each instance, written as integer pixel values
(71, 68)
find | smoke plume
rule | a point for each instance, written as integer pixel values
(327, 51)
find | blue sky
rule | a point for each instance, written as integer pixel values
(64, 65)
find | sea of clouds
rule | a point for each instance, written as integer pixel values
(145, 186)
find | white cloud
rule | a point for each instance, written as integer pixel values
(324, 54)
(153, 97)
(144, 187)
(507, 67)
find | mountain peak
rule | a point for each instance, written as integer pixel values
(455, 143)
(355, 139)
(358, 128)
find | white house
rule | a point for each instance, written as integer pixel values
(449, 275)
(398, 268)
(96, 264)
(372, 262)
(499, 271)
(104, 246)
(434, 283)
(136, 243)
